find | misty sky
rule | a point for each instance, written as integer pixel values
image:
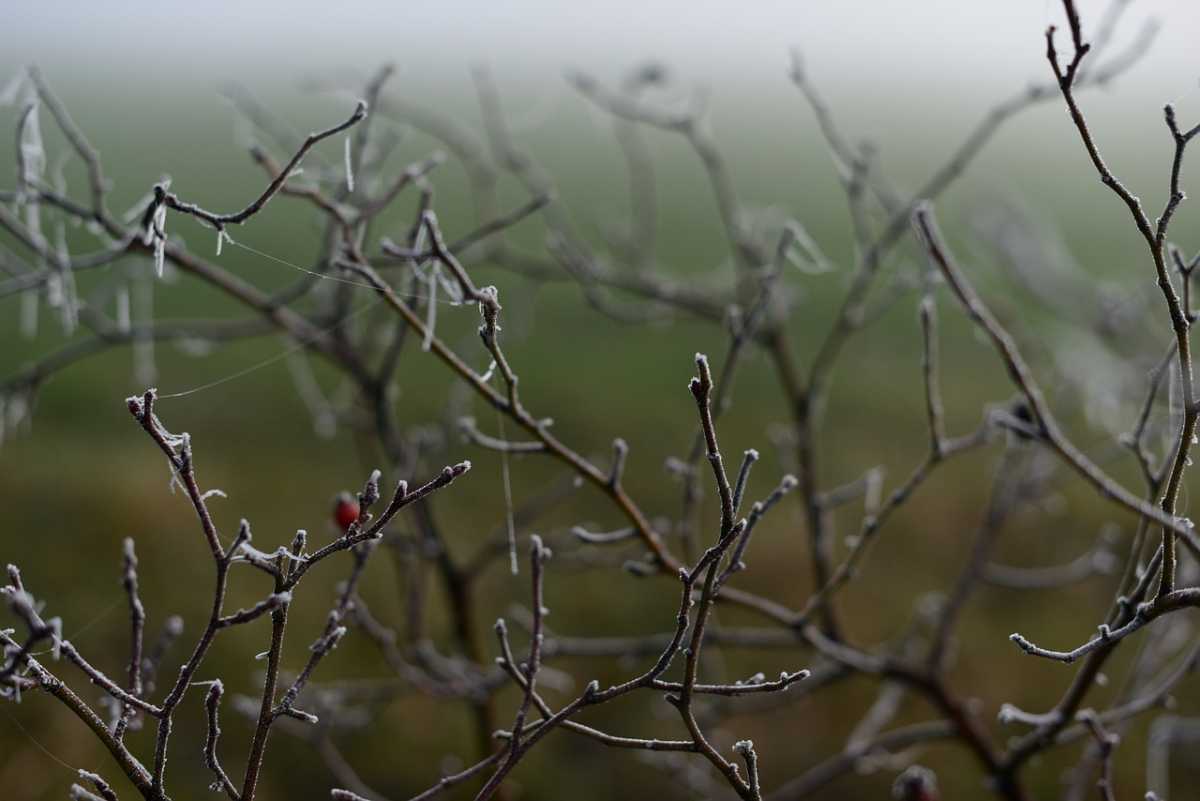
(864, 41)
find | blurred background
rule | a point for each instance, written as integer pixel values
(1057, 257)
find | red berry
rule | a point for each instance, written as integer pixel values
(345, 510)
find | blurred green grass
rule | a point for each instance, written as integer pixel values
(84, 477)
